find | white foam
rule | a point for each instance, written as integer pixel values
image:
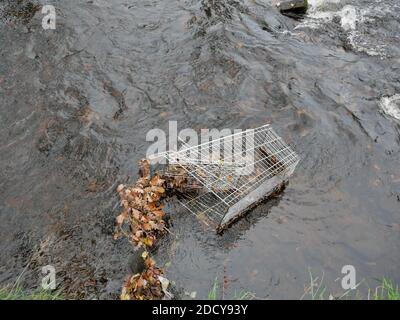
(318, 14)
(352, 19)
(391, 106)
(349, 17)
(317, 4)
(359, 43)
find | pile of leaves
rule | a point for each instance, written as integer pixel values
(145, 286)
(141, 209)
(142, 222)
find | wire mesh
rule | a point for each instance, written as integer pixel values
(248, 164)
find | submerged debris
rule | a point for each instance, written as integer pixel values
(217, 190)
(221, 186)
(147, 285)
(142, 210)
(290, 7)
(143, 213)
(142, 221)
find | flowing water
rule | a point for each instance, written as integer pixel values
(76, 103)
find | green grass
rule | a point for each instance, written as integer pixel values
(17, 293)
(212, 295)
(244, 295)
(317, 289)
(241, 295)
(386, 291)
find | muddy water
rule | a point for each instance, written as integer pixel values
(76, 103)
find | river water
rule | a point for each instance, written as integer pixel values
(76, 103)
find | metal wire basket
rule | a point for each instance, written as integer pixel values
(233, 173)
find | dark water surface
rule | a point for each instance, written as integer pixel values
(76, 103)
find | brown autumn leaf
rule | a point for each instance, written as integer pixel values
(144, 168)
(152, 225)
(151, 197)
(149, 262)
(125, 204)
(137, 191)
(135, 213)
(157, 189)
(161, 226)
(117, 235)
(122, 217)
(150, 206)
(158, 213)
(140, 282)
(156, 181)
(138, 233)
(154, 196)
(138, 202)
(147, 226)
(148, 241)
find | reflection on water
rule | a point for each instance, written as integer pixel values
(76, 103)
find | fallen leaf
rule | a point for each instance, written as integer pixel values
(156, 181)
(164, 283)
(135, 214)
(148, 242)
(137, 190)
(144, 168)
(147, 227)
(122, 217)
(125, 204)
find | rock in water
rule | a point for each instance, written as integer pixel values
(292, 6)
